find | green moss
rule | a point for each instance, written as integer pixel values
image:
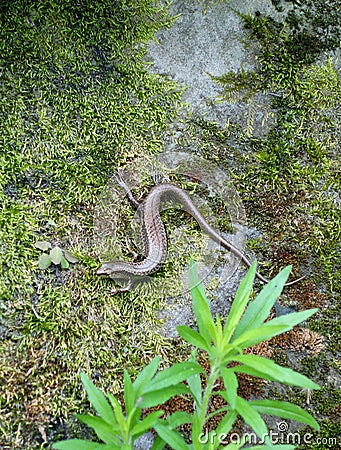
(326, 403)
(290, 179)
(77, 100)
(328, 438)
(298, 158)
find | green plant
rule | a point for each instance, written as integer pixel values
(224, 344)
(56, 256)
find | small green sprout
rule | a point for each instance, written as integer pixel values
(56, 256)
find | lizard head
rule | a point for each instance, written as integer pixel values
(112, 270)
(118, 272)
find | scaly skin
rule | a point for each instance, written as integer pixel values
(155, 240)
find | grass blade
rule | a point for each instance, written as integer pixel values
(226, 423)
(260, 334)
(272, 328)
(292, 319)
(178, 418)
(129, 394)
(159, 444)
(194, 383)
(119, 416)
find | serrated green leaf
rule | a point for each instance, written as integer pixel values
(285, 410)
(226, 423)
(98, 400)
(231, 386)
(158, 443)
(256, 335)
(194, 383)
(172, 437)
(292, 319)
(146, 424)
(173, 375)
(106, 432)
(56, 255)
(77, 444)
(233, 446)
(119, 416)
(43, 245)
(259, 309)
(64, 263)
(70, 257)
(155, 398)
(44, 261)
(267, 369)
(201, 306)
(178, 418)
(252, 418)
(129, 394)
(145, 376)
(240, 301)
(193, 337)
(272, 328)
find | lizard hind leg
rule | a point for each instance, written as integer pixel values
(121, 182)
(125, 288)
(130, 247)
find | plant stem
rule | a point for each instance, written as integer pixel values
(215, 371)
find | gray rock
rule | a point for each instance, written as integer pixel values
(144, 442)
(201, 44)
